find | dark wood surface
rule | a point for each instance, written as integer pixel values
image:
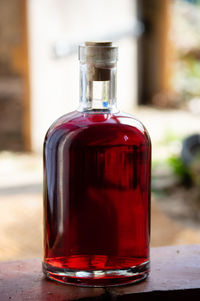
(175, 275)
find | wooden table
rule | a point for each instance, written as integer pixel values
(175, 275)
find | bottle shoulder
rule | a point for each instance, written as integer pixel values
(104, 127)
(131, 120)
(62, 121)
(81, 119)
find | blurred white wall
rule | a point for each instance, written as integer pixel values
(54, 81)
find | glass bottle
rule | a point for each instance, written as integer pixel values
(97, 170)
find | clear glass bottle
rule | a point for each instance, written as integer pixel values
(97, 170)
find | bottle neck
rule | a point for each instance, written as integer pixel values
(97, 88)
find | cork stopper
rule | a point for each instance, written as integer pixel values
(101, 57)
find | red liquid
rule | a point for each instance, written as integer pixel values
(96, 196)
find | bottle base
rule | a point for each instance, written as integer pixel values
(97, 278)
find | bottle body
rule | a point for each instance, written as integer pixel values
(97, 169)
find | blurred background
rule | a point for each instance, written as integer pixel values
(158, 82)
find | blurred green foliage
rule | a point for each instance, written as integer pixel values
(179, 168)
(187, 77)
(196, 2)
